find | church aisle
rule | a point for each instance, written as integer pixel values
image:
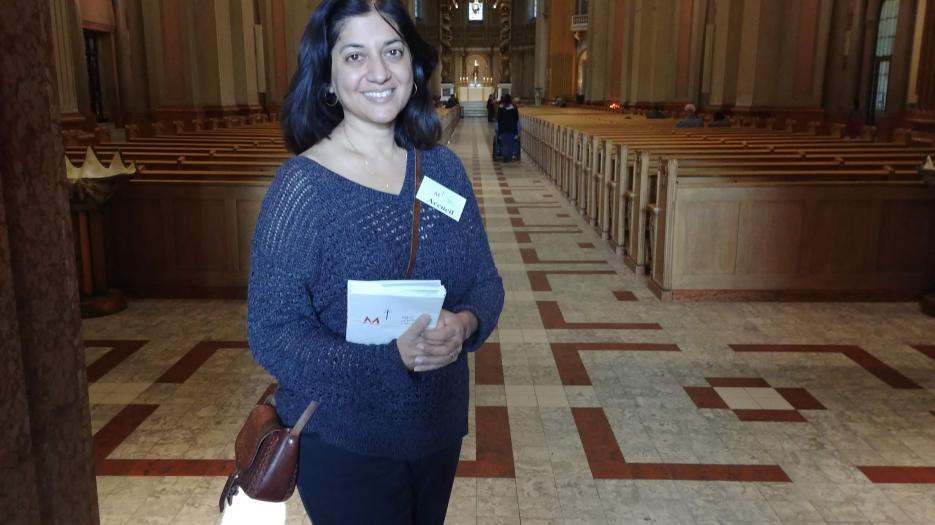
(593, 403)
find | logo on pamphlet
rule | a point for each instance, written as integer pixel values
(368, 320)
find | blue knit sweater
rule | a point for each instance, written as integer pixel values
(315, 231)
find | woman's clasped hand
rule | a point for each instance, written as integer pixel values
(423, 349)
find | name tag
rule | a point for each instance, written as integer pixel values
(441, 198)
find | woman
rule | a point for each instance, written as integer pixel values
(383, 446)
(491, 109)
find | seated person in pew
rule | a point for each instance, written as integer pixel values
(719, 120)
(691, 119)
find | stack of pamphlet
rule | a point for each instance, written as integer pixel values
(380, 311)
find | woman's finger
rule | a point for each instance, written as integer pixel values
(430, 349)
(441, 333)
(427, 364)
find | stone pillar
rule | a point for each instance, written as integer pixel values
(46, 456)
(925, 80)
(728, 25)
(641, 80)
(246, 92)
(664, 38)
(446, 36)
(599, 37)
(132, 72)
(760, 48)
(541, 51)
(273, 19)
(506, 14)
(214, 73)
(71, 73)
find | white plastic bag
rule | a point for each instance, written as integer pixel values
(246, 511)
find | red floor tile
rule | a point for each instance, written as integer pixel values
(570, 368)
(111, 435)
(494, 446)
(539, 281)
(166, 467)
(120, 350)
(530, 256)
(552, 319)
(878, 474)
(522, 237)
(705, 397)
(742, 382)
(927, 350)
(624, 295)
(784, 416)
(607, 462)
(856, 354)
(488, 365)
(197, 356)
(800, 399)
(587, 245)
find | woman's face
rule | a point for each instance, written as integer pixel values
(371, 70)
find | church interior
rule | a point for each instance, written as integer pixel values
(717, 246)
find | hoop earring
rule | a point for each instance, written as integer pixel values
(415, 88)
(333, 104)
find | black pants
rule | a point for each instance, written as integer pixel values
(343, 488)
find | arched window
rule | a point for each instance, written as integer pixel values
(417, 9)
(886, 35)
(532, 8)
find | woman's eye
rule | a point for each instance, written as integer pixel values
(353, 57)
(395, 53)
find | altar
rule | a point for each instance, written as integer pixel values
(474, 93)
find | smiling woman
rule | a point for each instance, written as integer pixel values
(384, 444)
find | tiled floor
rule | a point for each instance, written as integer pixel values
(593, 403)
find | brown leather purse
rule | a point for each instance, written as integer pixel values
(266, 453)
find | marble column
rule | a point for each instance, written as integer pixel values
(506, 9)
(599, 37)
(925, 83)
(541, 52)
(246, 92)
(46, 455)
(69, 63)
(214, 74)
(725, 53)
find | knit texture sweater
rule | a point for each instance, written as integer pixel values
(315, 231)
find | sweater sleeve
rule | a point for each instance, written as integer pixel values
(485, 298)
(285, 334)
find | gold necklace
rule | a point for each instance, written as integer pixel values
(363, 157)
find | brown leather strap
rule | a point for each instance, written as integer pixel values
(303, 419)
(416, 213)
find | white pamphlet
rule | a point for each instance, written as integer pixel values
(380, 311)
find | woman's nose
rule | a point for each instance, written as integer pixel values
(377, 71)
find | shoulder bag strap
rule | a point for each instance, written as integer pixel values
(416, 213)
